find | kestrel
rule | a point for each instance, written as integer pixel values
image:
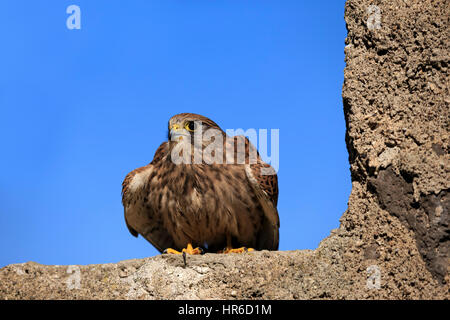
(192, 198)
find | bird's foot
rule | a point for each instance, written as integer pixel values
(189, 250)
(237, 250)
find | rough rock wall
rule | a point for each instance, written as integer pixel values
(396, 103)
(393, 241)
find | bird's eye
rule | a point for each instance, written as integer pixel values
(190, 126)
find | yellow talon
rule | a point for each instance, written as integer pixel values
(171, 251)
(238, 250)
(229, 248)
(189, 250)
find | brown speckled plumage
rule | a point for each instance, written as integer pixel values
(172, 205)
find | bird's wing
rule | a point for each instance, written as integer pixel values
(139, 217)
(264, 180)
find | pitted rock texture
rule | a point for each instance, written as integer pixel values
(393, 240)
(396, 102)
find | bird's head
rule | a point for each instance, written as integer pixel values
(183, 126)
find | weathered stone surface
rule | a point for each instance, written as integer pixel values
(393, 241)
(396, 102)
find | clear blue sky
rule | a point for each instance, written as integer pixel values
(82, 108)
